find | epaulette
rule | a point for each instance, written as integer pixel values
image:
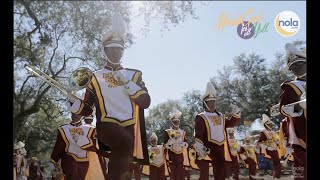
(64, 125)
(136, 70)
(88, 125)
(285, 82)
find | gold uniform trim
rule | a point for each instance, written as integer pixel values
(295, 88)
(138, 93)
(104, 117)
(197, 139)
(136, 76)
(67, 147)
(53, 161)
(163, 159)
(285, 114)
(236, 116)
(123, 123)
(99, 95)
(90, 140)
(174, 151)
(90, 86)
(298, 92)
(209, 132)
(302, 143)
(162, 163)
(81, 108)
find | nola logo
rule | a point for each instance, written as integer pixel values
(287, 23)
(297, 172)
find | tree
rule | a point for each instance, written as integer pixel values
(58, 36)
(249, 83)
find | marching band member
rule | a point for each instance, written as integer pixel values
(285, 151)
(73, 143)
(175, 140)
(157, 159)
(120, 97)
(21, 164)
(269, 141)
(234, 148)
(210, 132)
(248, 155)
(291, 92)
(200, 164)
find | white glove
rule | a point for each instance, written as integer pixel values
(200, 149)
(289, 150)
(184, 144)
(290, 111)
(71, 97)
(243, 157)
(120, 76)
(236, 110)
(51, 166)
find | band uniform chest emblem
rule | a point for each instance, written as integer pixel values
(74, 131)
(216, 120)
(112, 82)
(250, 151)
(153, 154)
(174, 134)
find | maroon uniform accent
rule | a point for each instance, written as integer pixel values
(252, 164)
(217, 153)
(72, 168)
(157, 173)
(289, 95)
(203, 168)
(274, 157)
(120, 139)
(136, 170)
(176, 162)
(233, 167)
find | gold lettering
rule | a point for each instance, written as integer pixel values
(224, 21)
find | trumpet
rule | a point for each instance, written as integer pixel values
(206, 153)
(79, 79)
(274, 110)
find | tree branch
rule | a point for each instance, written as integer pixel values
(32, 15)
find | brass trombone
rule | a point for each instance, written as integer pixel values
(275, 110)
(79, 79)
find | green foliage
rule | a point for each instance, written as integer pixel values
(39, 135)
(249, 83)
(57, 37)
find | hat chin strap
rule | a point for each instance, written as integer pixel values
(266, 124)
(207, 106)
(108, 60)
(113, 62)
(177, 126)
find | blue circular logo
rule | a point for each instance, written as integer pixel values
(245, 30)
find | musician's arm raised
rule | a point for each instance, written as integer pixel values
(84, 107)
